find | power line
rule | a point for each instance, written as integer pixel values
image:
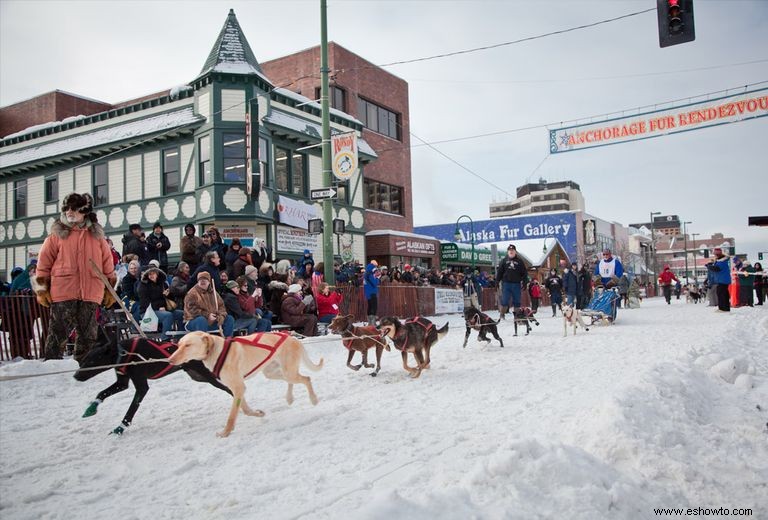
(593, 78)
(503, 44)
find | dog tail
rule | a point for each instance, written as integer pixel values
(442, 331)
(308, 362)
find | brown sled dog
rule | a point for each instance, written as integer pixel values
(416, 335)
(359, 339)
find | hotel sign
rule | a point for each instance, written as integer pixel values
(694, 116)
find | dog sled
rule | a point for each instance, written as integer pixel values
(603, 306)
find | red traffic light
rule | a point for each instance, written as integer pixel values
(675, 22)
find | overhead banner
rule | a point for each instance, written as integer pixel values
(561, 226)
(295, 212)
(693, 116)
(344, 150)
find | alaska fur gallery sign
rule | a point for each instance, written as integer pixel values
(703, 114)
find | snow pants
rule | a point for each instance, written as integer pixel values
(68, 315)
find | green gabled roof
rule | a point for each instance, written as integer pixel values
(231, 52)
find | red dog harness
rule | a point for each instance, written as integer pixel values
(425, 326)
(253, 342)
(166, 349)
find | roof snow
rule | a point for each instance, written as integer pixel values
(113, 134)
(310, 128)
(305, 100)
(231, 52)
(43, 126)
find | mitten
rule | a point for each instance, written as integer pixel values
(108, 301)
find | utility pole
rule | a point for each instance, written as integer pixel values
(693, 236)
(327, 175)
(685, 242)
(653, 245)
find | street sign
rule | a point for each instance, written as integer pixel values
(322, 193)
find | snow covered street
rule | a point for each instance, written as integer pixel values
(656, 411)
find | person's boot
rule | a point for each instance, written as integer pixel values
(503, 312)
(554, 310)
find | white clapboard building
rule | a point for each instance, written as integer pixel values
(183, 156)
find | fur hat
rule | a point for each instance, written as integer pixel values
(82, 203)
(282, 267)
(204, 274)
(294, 288)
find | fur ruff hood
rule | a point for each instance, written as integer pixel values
(160, 275)
(62, 230)
(275, 284)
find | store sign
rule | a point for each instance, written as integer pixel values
(294, 241)
(252, 175)
(561, 226)
(344, 155)
(295, 212)
(448, 301)
(246, 234)
(413, 247)
(451, 253)
(703, 114)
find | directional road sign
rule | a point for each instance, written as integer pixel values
(323, 193)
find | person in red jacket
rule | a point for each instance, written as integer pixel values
(665, 280)
(534, 289)
(327, 303)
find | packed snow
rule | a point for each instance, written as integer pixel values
(666, 408)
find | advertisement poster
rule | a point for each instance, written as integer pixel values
(296, 241)
(448, 301)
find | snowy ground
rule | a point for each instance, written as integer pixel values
(608, 424)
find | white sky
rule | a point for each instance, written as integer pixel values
(715, 177)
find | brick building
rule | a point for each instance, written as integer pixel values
(379, 100)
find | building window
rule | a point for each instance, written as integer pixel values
(264, 161)
(384, 197)
(336, 95)
(204, 150)
(52, 189)
(100, 184)
(234, 157)
(290, 175)
(378, 119)
(171, 171)
(20, 202)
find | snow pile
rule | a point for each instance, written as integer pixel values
(608, 424)
(44, 126)
(178, 89)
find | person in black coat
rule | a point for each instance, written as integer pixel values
(158, 246)
(132, 244)
(210, 265)
(153, 291)
(512, 275)
(218, 245)
(554, 285)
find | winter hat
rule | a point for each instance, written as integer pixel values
(232, 284)
(204, 274)
(407, 267)
(383, 268)
(294, 288)
(306, 252)
(512, 247)
(249, 269)
(133, 227)
(718, 250)
(154, 263)
(190, 226)
(82, 203)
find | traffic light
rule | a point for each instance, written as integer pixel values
(706, 253)
(675, 22)
(760, 256)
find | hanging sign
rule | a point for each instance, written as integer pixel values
(295, 212)
(702, 114)
(344, 155)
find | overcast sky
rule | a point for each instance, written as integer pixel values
(715, 177)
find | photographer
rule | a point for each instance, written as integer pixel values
(327, 302)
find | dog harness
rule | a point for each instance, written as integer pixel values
(416, 319)
(166, 349)
(253, 342)
(353, 335)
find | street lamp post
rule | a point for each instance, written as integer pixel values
(457, 236)
(653, 252)
(329, 275)
(694, 235)
(685, 245)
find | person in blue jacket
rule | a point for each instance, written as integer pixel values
(609, 269)
(720, 265)
(371, 287)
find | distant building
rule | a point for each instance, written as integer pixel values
(664, 224)
(541, 197)
(672, 250)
